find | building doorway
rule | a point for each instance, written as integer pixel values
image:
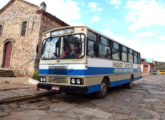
(7, 54)
(145, 69)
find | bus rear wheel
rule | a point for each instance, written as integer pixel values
(130, 84)
(103, 90)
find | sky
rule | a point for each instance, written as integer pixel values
(138, 24)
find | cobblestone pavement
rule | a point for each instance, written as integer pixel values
(14, 87)
(145, 101)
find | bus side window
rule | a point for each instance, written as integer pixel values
(130, 56)
(135, 58)
(92, 44)
(115, 51)
(124, 55)
(104, 48)
(91, 48)
(138, 58)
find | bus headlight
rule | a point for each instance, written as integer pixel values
(78, 81)
(73, 81)
(43, 79)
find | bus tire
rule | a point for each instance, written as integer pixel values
(130, 84)
(103, 90)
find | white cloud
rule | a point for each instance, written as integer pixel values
(162, 37)
(67, 11)
(112, 21)
(117, 3)
(145, 34)
(95, 19)
(145, 13)
(94, 7)
(100, 9)
(152, 51)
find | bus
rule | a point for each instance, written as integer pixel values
(161, 72)
(78, 59)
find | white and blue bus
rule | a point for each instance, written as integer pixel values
(77, 59)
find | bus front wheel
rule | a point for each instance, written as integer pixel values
(103, 90)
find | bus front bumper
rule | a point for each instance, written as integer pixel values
(63, 88)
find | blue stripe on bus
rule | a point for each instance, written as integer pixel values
(89, 71)
(95, 88)
(137, 78)
(119, 82)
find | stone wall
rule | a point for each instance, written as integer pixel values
(24, 47)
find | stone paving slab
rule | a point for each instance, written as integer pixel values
(14, 89)
(15, 80)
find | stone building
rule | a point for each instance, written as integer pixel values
(21, 28)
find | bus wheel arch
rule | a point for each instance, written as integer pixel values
(130, 84)
(103, 87)
(107, 80)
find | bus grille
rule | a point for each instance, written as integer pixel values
(57, 79)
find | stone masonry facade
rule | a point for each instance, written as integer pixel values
(26, 50)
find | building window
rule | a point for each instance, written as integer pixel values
(0, 30)
(37, 49)
(23, 29)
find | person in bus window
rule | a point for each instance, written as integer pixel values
(77, 49)
(67, 51)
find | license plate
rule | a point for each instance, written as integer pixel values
(55, 88)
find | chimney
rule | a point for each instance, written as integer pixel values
(43, 6)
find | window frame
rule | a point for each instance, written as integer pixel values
(113, 47)
(93, 33)
(139, 58)
(122, 51)
(23, 28)
(131, 54)
(105, 45)
(1, 29)
(135, 55)
(51, 37)
(96, 45)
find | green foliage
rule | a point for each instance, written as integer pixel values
(35, 75)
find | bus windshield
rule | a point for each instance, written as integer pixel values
(63, 47)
